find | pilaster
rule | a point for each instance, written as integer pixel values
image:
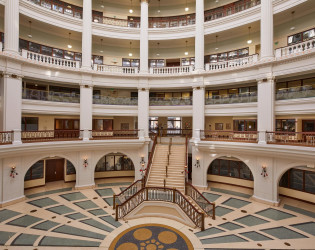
(144, 37)
(143, 111)
(87, 35)
(11, 26)
(266, 30)
(198, 107)
(86, 109)
(199, 36)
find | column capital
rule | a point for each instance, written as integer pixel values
(144, 1)
(265, 79)
(198, 88)
(86, 85)
(11, 75)
(143, 89)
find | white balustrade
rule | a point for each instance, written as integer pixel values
(115, 22)
(115, 69)
(50, 59)
(298, 48)
(245, 61)
(172, 70)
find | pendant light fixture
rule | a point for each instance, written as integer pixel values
(69, 43)
(130, 52)
(30, 29)
(102, 46)
(249, 41)
(130, 10)
(292, 21)
(186, 51)
(159, 9)
(102, 4)
(216, 42)
(186, 8)
(158, 49)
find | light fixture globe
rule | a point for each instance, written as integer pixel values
(186, 9)
(131, 11)
(130, 54)
(186, 53)
(249, 41)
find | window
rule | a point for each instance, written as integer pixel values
(97, 59)
(130, 62)
(245, 125)
(70, 168)
(58, 53)
(47, 50)
(34, 47)
(35, 172)
(230, 55)
(174, 123)
(286, 125)
(308, 125)
(67, 124)
(102, 124)
(299, 179)
(114, 162)
(69, 55)
(23, 44)
(301, 37)
(153, 124)
(29, 124)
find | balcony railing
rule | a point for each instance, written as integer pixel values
(43, 95)
(236, 136)
(172, 70)
(171, 132)
(172, 101)
(51, 135)
(291, 138)
(108, 100)
(6, 137)
(295, 92)
(240, 62)
(116, 21)
(50, 60)
(113, 134)
(127, 193)
(115, 69)
(298, 48)
(232, 98)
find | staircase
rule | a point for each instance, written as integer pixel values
(175, 177)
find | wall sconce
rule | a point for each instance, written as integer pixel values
(13, 172)
(197, 164)
(264, 171)
(85, 162)
(142, 162)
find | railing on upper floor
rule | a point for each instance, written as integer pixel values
(43, 95)
(295, 49)
(116, 21)
(165, 195)
(207, 206)
(127, 193)
(108, 100)
(239, 62)
(174, 132)
(114, 134)
(232, 98)
(115, 69)
(6, 137)
(291, 138)
(172, 101)
(51, 135)
(304, 91)
(50, 60)
(172, 70)
(147, 170)
(236, 136)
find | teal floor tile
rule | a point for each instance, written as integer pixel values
(236, 203)
(74, 196)
(25, 240)
(4, 237)
(6, 214)
(46, 225)
(211, 197)
(274, 214)
(255, 236)
(97, 224)
(223, 239)
(30, 196)
(300, 210)
(221, 211)
(250, 220)
(307, 227)
(283, 233)
(224, 191)
(122, 189)
(209, 231)
(111, 220)
(230, 226)
(114, 184)
(76, 216)
(105, 192)
(61, 210)
(44, 202)
(65, 242)
(78, 232)
(86, 204)
(109, 201)
(24, 221)
(97, 212)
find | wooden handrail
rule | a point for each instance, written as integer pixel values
(123, 193)
(145, 177)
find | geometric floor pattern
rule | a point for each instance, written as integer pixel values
(85, 219)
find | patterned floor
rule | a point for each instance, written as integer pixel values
(67, 218)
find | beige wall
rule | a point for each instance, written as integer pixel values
(118, 120)
(108, 174)
(296, 194)
(186, 122)
(229, 180)
(211, 121)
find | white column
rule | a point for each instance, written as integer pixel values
(144, 34)
(198, 111)
(143, 111)
(86, 110)
(87, 34)
(266, 30)
(199, 36)
(11, 26)
(266, 103)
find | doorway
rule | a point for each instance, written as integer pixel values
(54, 170)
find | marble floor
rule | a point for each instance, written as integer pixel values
(58, 217)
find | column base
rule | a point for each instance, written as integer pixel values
(88, 186)
(265, 201)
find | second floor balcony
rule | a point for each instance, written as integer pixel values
(52, 96)
(171, 101)
(232, 98)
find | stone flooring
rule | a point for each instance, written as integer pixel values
(57, 217)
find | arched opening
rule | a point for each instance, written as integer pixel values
(230, 171)
(49, 174)
(298, 183)
(114, 165)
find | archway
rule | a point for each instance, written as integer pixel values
(114, 165)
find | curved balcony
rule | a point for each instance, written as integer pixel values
(108, 100)
(232, 98)
(51, 96)
(173, 101)
(305, 91)
(171, 70)
(115, 69)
